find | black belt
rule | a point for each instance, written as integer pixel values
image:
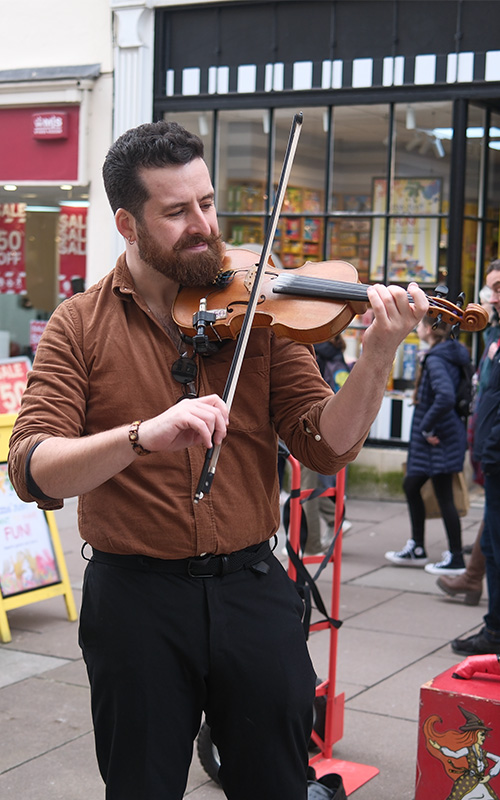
(197, 567)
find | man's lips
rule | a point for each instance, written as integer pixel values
(197, 247)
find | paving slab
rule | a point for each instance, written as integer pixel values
(17, 665)
(65, 772)
(39, 715)
(385, 742)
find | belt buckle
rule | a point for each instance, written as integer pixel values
(202, 562)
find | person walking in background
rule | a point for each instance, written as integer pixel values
(437, 448)
(486, 454)
(470, 583)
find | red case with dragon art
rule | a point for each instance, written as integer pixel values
(458, 754)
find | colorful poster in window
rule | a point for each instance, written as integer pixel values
(12, 264)
(72, 248)
(413, 240)
(27, 559)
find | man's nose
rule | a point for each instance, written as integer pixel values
(199, 222)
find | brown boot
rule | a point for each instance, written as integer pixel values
(471, 582)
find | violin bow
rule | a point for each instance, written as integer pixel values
(212, 454)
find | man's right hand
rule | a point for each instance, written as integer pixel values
(202, 420)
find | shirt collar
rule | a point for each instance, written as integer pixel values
(123, 283)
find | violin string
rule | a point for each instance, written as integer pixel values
(344, 290)
(323, 287)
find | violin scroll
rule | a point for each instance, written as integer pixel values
(472, 318)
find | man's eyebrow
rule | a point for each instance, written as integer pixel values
(183, 204)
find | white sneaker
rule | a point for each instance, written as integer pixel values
(450, 565)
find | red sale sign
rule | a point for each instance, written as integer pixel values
(72, 246)
(13, 375)
(12, 265)
(37, 327)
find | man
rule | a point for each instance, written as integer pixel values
(184, 608)
(486, 453)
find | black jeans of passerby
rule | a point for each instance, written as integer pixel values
(161, 648)
(490, 545)
(443, 489)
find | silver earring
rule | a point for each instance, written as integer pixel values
(131, 241)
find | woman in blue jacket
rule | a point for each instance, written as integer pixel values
(438, 442)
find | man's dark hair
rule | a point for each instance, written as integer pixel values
(494, 266)
(154, 144)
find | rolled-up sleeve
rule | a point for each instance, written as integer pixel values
(300, 394)
(53, 403)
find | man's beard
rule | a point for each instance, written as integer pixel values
(186, 269)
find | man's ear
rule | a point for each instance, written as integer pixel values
(125, 224)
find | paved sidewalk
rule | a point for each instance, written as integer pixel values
(395, 637)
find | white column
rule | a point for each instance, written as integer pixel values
(133, 23)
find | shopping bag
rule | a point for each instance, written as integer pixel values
(460, 496)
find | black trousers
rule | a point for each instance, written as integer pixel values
(162, 648)
(443, 489)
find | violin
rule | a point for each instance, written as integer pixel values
(308, 304)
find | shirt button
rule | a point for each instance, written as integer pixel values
(308, 430)
(317, 437)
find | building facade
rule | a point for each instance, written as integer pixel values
(56, 99)
(398, 166)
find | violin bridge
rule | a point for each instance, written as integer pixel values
(250, 278)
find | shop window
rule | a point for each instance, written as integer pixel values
(300, 235)
(349, 240)
(199, 122)
(482, 195)
(474, 148)
(42, 258)
(360, 140)
(493, 195)
(242, 185)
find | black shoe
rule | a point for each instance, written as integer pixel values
(329, 787)
(452, 564)
(412, 555)
(476, 645)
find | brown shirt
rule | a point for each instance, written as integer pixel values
(105, 361)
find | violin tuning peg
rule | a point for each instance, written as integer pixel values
(441, 290)
(437, 321)
(460, 300)
(455, 331)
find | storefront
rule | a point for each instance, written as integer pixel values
(45, 178)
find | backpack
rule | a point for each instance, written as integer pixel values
(465, 392)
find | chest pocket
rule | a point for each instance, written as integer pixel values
(250, 408)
